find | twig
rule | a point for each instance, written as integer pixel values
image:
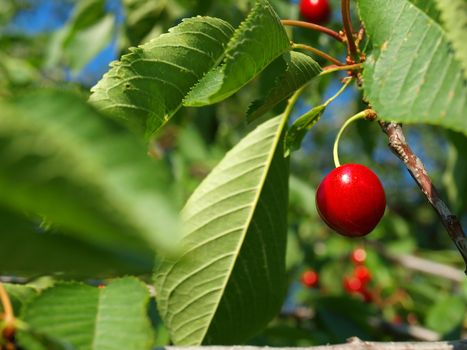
(402, 330)
(420, 264)
(352, 344)
(312, 26)
(399, 146)
(318, 52)
(348, 28)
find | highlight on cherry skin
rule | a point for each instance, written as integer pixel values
(351, 200)
(315, 11)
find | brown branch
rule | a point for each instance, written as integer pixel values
(399, 146)
(420, 264)
(312, 26)
(348, 27)
(352, 344)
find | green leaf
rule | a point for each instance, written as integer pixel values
(147, 86)
(411, 76)
(89, 23)
(62, 160)
(38, 251)
(257, 42)
(454, 17)
(447, 314)
(86, 317)
(230, 280)
(300, 127)
(301, 68)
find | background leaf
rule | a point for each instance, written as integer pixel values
(230, 280)
(411, 75)
(454, 17)
(27, 249)
(147, 86)
(247, 54)
(301, 68)
(88, 317)
(82, 172)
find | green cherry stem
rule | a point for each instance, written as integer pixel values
(341, 90)
(366, 114)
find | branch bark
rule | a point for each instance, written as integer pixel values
(399, 146)
(352, 344)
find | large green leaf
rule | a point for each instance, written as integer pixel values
(27, 249)
(301, 68)
(147, 86)
(454, 18)
(63, 160)
(230, 280)
(90, 318)
(259, 40)
(411, 76)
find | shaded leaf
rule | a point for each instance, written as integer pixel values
(230, 280)
(62, 160)
(411, 76)
(299, 128)
(429, 7)
(301, 68)
(147, 86)
(257, 42)
(29, 250)
(91, 318)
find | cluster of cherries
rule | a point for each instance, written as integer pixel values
(357, 282)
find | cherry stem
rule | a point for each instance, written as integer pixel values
(8, 315)
(365, 114)
(352, 48)
(318, 53)
(334, 68)
(341, 90)
(312, 26)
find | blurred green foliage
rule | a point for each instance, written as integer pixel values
(196, 139)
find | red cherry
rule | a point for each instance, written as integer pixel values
(316, 11)
(363, 274)
(352, 284)
(351, 200)
(309, 278)
(358, 256)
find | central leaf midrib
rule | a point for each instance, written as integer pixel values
(249, 219)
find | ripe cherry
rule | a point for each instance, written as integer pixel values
(316, 11)
(351, 200)
(352, 284)
(310, 278)
(363, 274)
(358, 256)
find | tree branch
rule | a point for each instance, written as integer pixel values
(352, 344)
(399, 146)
